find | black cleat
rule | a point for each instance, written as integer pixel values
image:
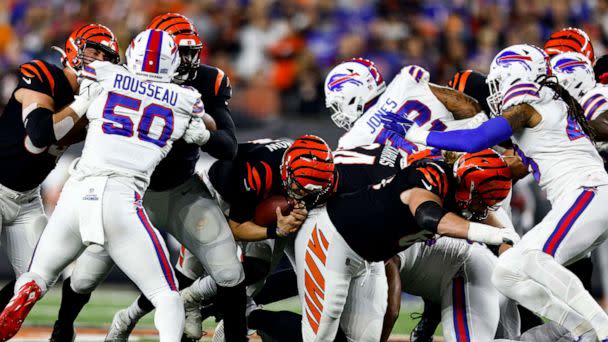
(429, 320)
(63, 333)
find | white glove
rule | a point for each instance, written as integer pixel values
(89, 91)
(196, 133)
(491, 235)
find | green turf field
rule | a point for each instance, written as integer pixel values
(108, 299)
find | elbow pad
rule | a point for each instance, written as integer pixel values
(38, 123)
(428, 215)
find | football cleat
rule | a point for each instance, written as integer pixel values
(63, 333)
(193, 328)
(429, 320)
(121, 327)
(17, 309)
(218, 334)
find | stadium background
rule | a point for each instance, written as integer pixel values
(277, 53)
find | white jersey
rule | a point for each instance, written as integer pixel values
(594, 103)
(133, 123)
(408, 94)
(556, 151)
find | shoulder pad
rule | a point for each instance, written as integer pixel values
(524, 92)
(37, 75)
(431, 175)
(415, 73)
(595, 102)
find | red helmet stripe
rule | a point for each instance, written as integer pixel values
(152, 54)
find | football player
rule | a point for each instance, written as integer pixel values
(551, 135)
(178, 201)
(30, 135)
(337, 283)
(357, 96)
(135, 115)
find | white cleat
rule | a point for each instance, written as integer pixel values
(218, 335)
(193, 326)
(121, 327)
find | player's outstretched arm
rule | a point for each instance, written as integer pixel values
(431, 216)
(488, 134)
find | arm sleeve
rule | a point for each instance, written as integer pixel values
(222, 144)
(39, 127)
(488, 134)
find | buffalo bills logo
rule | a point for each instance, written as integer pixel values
(338, 80)
(507, 58)
(569, 65)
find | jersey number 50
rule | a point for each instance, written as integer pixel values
(123, 125)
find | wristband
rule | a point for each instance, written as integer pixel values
(271, 232)
(483, 233)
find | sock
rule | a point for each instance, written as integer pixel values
(279, 325)
(7, 293)
(278, 286)
(71, 303)
(139, 308)
(183, 280)
(232, 302)
(204, 288)
(169, 316)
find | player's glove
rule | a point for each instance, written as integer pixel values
(196, 133)
(89, 91)
(396, 123)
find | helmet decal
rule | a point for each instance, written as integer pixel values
(336, 81)
(506, 58)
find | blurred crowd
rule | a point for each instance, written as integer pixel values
(283, 48)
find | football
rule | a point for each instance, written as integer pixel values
(265, 212)
(209, 122)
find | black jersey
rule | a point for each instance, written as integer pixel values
(179, 164)
(373, 220)
(24, 166)
(366, 165)
(251, 177)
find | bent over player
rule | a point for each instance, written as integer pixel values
(551, 135)
(134, 121)
(337, 285)
(29, 135)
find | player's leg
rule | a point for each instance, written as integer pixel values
(92, 267)
(140, 252)
(59, 244)
(573, 228)
(199, 224)
(471, 304)
(324, 267)
(366, 304)
(23, 225)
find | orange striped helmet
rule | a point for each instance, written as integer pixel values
(570, 39)
(187, 39)
(92, 35)
(484, 180)
(308, 170)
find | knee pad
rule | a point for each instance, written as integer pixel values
(228, 275)
(504, 279)
(83, 283)
(29, 276)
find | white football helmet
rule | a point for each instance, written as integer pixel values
(349, 87)
(517, 63)
(574, 72)
(153, 55)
